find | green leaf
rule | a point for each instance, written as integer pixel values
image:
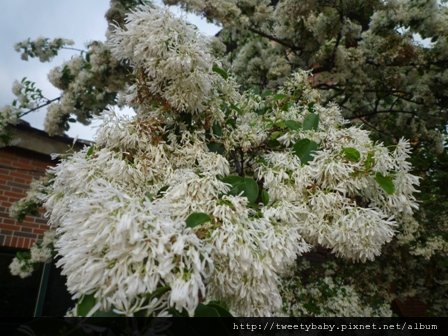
(231, 122)
(385, 182)
(90, 151)
(311, 121)
(23, 255)
(217, 129)
(266, 93)
(203, 310)
(264, 197)
(368, 164)
(312, 307)
(234, 181)
(177, 313)
(159, 292)
(85, 305)
(280, 124)
(250, 187)
(66, 75)
(305, 150)
(197, 218)
(220, 71)
(279, 96)
(273, 143)
(246, 185)
(262, 111)
(311, 107)
(235, 108)
(275, 135)
(216, 147)
(220, 308)
(287, 105)
(294, 125)
(351, 154)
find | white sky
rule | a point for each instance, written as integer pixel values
(79, 20)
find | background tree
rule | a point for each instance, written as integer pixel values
(89, 82)
(385, 64)
(364, 56)
(382, 61)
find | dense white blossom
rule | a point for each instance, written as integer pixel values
(208, 195)
(328, 298)
(21, 268)
(9, 115)
(42, 48)
(41, 251)
(176, 60)
(432, 246)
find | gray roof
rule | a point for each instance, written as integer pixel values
(29, 138)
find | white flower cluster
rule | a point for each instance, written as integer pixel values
(434, 245)
(250, 255)
(9, 115)
(41, 251)
(328, 298)
(338, 198)
(259, 60)
(21, 267)
(131, 239)
(229, 12)
(341, 205)
(89, 83)
(27, 96)
(122, 249)
(19, 89)
(42, 48)
(176, 60)
(55, 118)
(153, 217)
(30, 204)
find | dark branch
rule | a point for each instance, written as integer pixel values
(376, 129)
(275, 39)
(48, 102)
(370, 114)
(74, 49)
(238, 166)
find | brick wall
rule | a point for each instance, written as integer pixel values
(18, 167)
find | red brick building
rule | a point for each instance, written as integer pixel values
(17, 169)
(27, 158)
(20, 163)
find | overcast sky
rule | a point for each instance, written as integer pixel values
(79, 20)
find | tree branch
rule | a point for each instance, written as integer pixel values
(275, 39)
(74, 49)
(370, 114)
(238, 166)
(48, 102)
(376, 129)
